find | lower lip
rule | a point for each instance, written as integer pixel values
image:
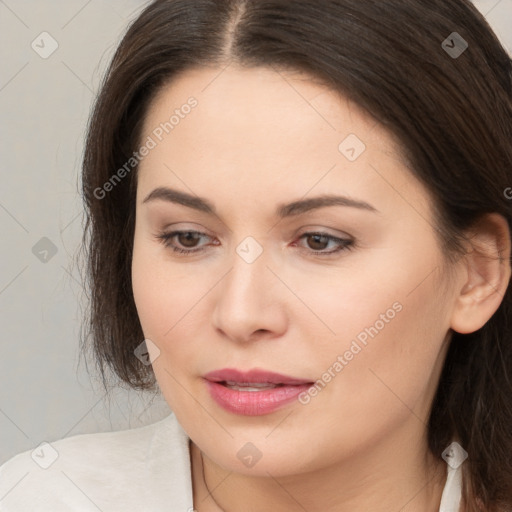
(254, 403)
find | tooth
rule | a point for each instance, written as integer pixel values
(248, 388)
(250, 384)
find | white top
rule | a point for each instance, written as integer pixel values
(146, 469)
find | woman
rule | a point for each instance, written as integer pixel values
(299, 230)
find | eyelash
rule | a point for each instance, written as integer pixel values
(345, 244)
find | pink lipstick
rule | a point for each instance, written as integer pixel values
(254, 392)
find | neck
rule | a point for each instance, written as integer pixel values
(387, 477)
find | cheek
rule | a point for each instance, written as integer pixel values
(389, 323)
(164, 293)
(165, 300)
(391, 361)
(337, 304)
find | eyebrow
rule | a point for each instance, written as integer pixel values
(284, 210)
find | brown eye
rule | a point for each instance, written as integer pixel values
(184, 242)
(188, 238)
(318, 242)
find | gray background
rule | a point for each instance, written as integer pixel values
(45, 391)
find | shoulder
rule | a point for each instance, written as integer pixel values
(124, 470)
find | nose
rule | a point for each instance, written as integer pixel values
(251, 302)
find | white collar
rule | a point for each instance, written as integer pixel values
(450, 500)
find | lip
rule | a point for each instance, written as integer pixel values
(254, 403)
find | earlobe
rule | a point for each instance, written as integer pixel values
(486, 271)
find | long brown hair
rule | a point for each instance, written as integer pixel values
(451, 112)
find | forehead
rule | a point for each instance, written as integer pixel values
(252, 128)
(257, 100)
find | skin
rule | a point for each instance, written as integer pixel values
(259, 138)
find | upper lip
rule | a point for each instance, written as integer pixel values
(253, 376)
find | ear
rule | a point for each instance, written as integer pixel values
(486, 273)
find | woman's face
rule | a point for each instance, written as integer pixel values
(287, 276)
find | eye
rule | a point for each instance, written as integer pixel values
(318, 242)
(187, 240)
